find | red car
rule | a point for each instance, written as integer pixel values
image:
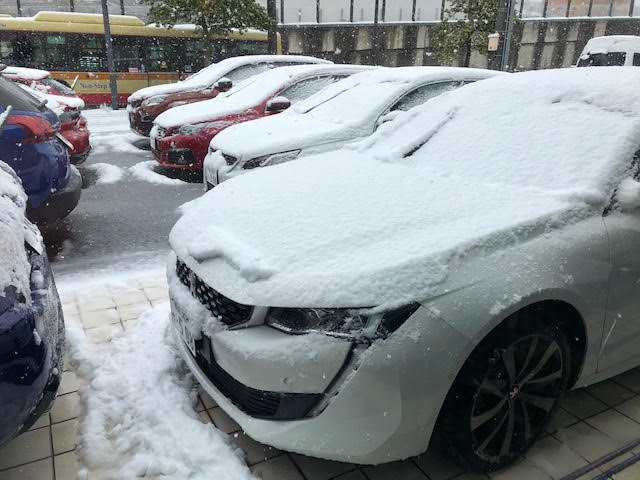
(180, 136)
(147, 103)
(63, 101)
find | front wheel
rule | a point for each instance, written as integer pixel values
(506, 393)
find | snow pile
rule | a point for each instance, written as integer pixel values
(341, 112)
(146, 172)
(138, 418)
(382, 223)
(14, 265)
(106, 173)
(246, 95)
(628, 195)
(209, 75)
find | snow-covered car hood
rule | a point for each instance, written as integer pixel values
(57, 103)
(265, 135)
(208, 75)
(14, 265)
(246, 95)
(383, 221)
(367, 94)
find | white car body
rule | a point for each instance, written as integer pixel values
(611, 50)
(479, 205)
(341, 113)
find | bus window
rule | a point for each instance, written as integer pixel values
(48, 50)
(91, 54)
(164, 55)
(250, 48)
(127, 54)
(192, 57)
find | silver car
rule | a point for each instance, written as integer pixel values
(449, 277)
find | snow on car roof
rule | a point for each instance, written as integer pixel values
(613, 43)
(22, 72)
(247, 94)
(346, 109)
(14, 265)
(208, 75)
(383, 222)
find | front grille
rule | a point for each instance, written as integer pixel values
(230, 159)
(182, 156)
(257, 403)
(224, 309)
(161, 132)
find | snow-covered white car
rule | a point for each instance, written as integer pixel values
(611, 50)
(341, 113)
(451, 275)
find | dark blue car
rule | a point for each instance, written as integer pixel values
(31, 321)
(31, 145)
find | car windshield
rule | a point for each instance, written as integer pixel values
(57, 86)
(18, 98)
(353, 103)
(602, 59)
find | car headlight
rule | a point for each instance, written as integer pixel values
(192, 129)
(271, 159)
(360, 325)
(155, 100)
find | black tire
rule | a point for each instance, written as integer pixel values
(506, 393)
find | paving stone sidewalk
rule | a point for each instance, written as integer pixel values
(591, 423)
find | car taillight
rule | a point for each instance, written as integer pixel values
(36, 129)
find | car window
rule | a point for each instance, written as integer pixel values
(245, 71)
(307, 87)
(12, 94)
(603, 59)
(421, 94)
(636, 59)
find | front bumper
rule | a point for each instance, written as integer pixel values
(378, 404)
(61, 202)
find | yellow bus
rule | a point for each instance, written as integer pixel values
(71, 45)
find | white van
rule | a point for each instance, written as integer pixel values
(612, 50)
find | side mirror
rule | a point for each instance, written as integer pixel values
(277, 105)
(388, 117)
(4, 117)
(223, 85)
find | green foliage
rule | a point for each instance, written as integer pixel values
(465, 26)
(210, 16)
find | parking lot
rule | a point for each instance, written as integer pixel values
(104, 292)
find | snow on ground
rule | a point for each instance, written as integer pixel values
(110, 131)
(146, 171)
(106, 172)
(138, 415)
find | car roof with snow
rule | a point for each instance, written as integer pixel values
(26, 73)
(612, 43)
(208, 75)
(347, 108)
(248, 94)
(383, 221)
(14, 265)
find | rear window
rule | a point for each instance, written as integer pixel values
(12, 94)
(610, 59)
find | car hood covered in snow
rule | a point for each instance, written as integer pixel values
(345, 110)
(208, 75)
(248, 94)
(14, 265)
(381, 222)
